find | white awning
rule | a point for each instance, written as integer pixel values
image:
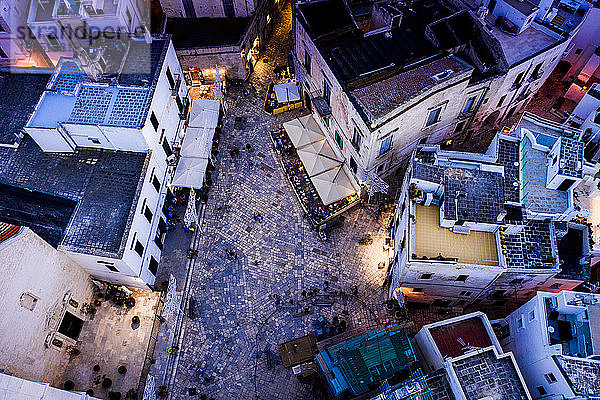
(333, 185)
(190, 172)
(197, 143)
(318, 157)
(204, 113)
(286, 92)
(303, 131)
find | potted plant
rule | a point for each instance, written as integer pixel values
(69, 385)
(106, 383)
(129, 302)
(96, 368)
(135, 319)
(122, 370)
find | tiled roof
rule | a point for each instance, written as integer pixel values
(20, 93)
(102, 184)
(380, 98)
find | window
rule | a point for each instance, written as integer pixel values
(385, 145)
(356, 139)
(339, 140)
(516, 281)
(170, 78)
(532, 315)
(578, 51)
(229, 8)
(459, 127)
(129, 19)
(162, 136)
(28, 301)
(520, 322)
(52, 40)
(511, 112)
(550, 377)
(501, 101)
(326, 90)
(353, 165)
(153, 266)
(460, 303)
(433, 117)
(465, 293)
(154, 121)
(380, 168)
(498, 294)
(156, 183)
(94, 140)
(159, 238)
(417, 290)
(109, 265)
(519, 79)
(469, 105)
(536, 71)
(148, 213)
(139, 248)
(425, 276)
(307, 60)
(462, 278)
(179, 104)
(542, 390)
(167, 148)
(3, 54)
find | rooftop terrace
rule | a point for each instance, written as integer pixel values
(456, 338)
(583, 375)
(431, 240)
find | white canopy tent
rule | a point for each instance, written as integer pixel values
(197, 143)
(318, 158)
(204, 114)
(190, 172)
(286, 92)
(333, 185)
(303, 131)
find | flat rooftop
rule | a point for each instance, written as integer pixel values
(485, 374)
(20, 94)
(533, 247)
(431, 240)
(471, 193)
(455, 339)
(98, 186)
(532, 40)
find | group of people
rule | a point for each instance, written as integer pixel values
(258, 217)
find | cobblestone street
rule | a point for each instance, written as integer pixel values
(237, 318)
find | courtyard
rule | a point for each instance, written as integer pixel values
(269, 291)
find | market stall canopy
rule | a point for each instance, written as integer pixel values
(333, 185)
(197, 143)
(190, 172)
(204, 114)
(318, 157)
(303, 131)
(286, 92)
